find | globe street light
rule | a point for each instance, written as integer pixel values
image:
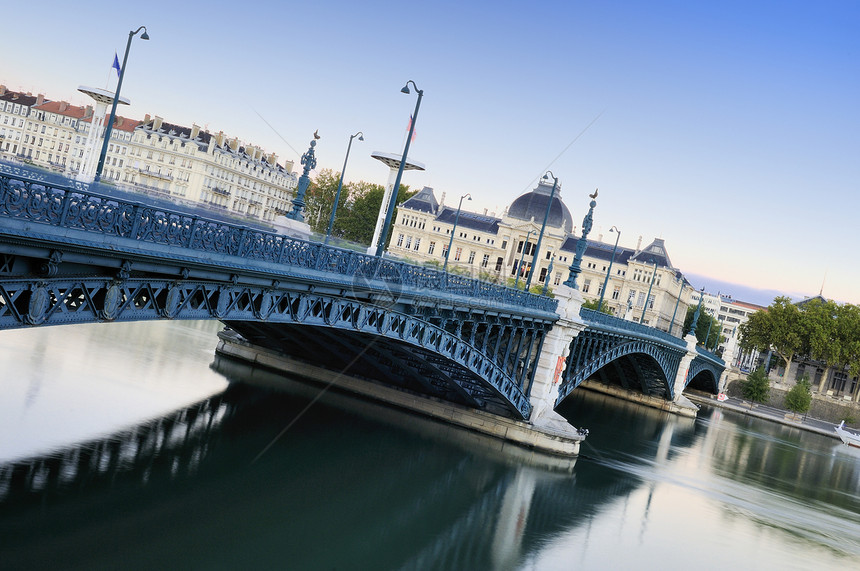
(522, 256)
(360, 136)
(451, 239)
(543, 226)
(109, 127)
(394, 192)
(612, 259)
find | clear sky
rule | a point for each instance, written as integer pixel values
(730, 129)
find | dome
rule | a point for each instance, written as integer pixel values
(533, 205)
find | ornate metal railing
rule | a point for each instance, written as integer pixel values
(598, 317)
(46, 202)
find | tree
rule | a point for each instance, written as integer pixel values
(799, 397)
(778, 327)
(707, 326)
(592, 304)
(319, 199)
(756, 387)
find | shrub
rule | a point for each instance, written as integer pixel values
(799, 398)
(757, 386)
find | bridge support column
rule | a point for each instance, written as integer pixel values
(683, 369)
(556, 347)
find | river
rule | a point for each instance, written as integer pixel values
(125, 445)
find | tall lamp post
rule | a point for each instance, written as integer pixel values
(648, 298)
(522, 257)
(451, 239)
(360, 136)
(109, 126)
(542, 228)
(609, 271)
(395, 191)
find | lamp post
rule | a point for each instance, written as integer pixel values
(581, 244)
(542, 228)
(451, 239)
(522, 257)
(393, 201)
(695, 322)
(548, 274)
(609, 271)
(677, 301)
(109, 127)
(648, 297)
(360, 136)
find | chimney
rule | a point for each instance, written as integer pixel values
(639, 244)
(195, 130)
(234, 144)
(147, 118)
(485, 212)
(40, 99)
(64, 105)
(156, 123)
(119, 121)
(272, 159)
(600, 237)
(442, 201)
(2, 90)
(219, 138)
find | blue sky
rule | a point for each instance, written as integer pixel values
(730, 129)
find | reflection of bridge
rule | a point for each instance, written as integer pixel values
(68, 255)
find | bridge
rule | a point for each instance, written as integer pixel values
(72, 255)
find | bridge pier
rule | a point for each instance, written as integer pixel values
(684, 405)
(556, 348)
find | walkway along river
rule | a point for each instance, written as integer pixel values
(122, 445)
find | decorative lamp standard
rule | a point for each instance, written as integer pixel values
(548, 274)
(522, 257)
(693, 325)
(451, 239)
(581, 244)
(609, 271)
(542, 228)
(394, 192)
(360, 136)
(309, 161)
(677, 301)
(109, 126)
(708, 334)
(648, 297)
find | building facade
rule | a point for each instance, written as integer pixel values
(185, 164)
(643, 285)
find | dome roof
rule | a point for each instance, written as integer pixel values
(533, 205)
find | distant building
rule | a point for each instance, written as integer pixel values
(170, 161)
(643, 286)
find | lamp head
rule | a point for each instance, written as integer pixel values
(361, 137)
(144, 36)
(468, 196)
(405, 89)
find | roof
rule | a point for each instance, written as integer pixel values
(424, 201)
(469, 220)
(533, 205)
(655, 252)
(25, 99)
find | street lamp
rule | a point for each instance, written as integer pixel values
(612, 259)
(109, 127)
(522, 256)
(360, 136)
(451, 239)
(393, 201)
(543, 226)
(648, 298)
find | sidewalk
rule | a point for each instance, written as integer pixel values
(768, 413)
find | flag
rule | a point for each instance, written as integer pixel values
(408, 127)
(115, 64)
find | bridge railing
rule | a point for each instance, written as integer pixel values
(46, 202)
(710, 356)
(598, 317)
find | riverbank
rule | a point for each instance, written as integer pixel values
(766, 412)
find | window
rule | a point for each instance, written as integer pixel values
(499, 262)
(408, 242)
(616, 292)
(417, 244)
(472, 257)
(431, 248)
(504, 244)
(457, 253)
(485, 261)
(542, 275)
(586, 285)
(557, 279)
(399, 240)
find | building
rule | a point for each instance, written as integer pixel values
(644, 286)
(185, 164)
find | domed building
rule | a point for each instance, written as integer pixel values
(643, 285)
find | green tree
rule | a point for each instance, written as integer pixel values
(778, 327)
(319, 199)
(592, 304)
(356, 219)
(756, 387)
(707, 326)
(848, 336)
(799, 398)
